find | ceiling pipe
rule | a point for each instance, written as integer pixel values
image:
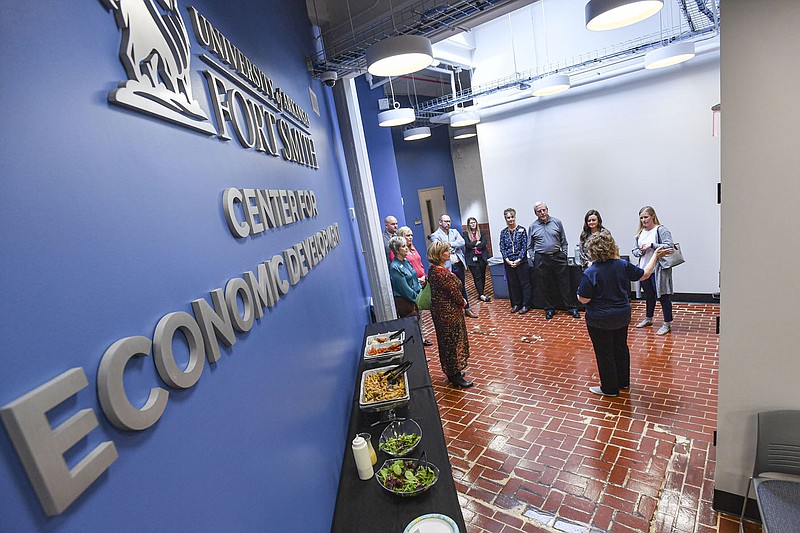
(487, 110)
(372, 85)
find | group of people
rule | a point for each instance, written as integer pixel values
(542, 247)
(449, 254)
(604, 287)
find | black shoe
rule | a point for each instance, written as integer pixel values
(426, 342)
(515, 309)
(523, 310)
(549, 314)
(575, 313)
(460, 382)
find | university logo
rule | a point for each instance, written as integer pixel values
(155, 53)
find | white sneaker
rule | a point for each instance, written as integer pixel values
(598, 390)
(665, 328)
(646, 322)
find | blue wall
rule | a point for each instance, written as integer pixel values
(110, 220)
(400, 168)
(383, 166)
(424, 164)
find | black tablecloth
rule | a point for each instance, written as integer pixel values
(364, 506)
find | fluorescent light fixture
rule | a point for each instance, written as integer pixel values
(403, 54)
(550, 85)
(604, 15)
(414, 134)
(398, 116)
(669, 55)
(464, 118)
(464, 133)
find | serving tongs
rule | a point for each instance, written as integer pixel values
(395, 373)
(421, 457)
(410, 338)
(396, 333)
(397, 348)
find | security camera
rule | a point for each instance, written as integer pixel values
(329, 78)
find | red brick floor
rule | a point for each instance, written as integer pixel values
(532, 450)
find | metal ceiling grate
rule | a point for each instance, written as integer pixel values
(705, 25)
(345, 55)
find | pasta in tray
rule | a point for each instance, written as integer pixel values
(378, 389)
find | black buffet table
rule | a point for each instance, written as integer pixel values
(364, 506)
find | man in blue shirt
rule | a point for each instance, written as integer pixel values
(549, 246)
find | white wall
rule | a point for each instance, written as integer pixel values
(469, 175)
(640, 139)
(758, 362)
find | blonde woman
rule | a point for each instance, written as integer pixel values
(415, 259)
(651, 236)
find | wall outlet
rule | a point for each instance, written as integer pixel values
(383, 104)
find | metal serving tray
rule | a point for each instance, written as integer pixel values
(386, 404)
(394, 356)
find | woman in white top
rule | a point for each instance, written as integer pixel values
(652, 235)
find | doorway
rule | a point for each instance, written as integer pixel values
(432, 206)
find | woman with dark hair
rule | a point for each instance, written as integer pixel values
(651, 236)
(405, 285)
(447, 310)
(604, 289)
(475, 256)
(592, 223)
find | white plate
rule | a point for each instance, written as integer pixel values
(432, 523)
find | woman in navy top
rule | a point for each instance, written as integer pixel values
(604, 289)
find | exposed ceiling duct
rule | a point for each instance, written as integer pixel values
(442, 18)
(343, 46)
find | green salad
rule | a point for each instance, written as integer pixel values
(399, 443)
(406, 476)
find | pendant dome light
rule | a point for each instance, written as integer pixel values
(415, 134)
(602, 15)
(464, 133)
(420, 132)
(403, 54)
(669, 55)
(464, 118)
(461, 116)
(550, 85)
(399, 116)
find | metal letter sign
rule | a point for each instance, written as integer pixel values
(155, 53)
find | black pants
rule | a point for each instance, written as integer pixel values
(613, 357)
(552, 275)
(519, 284)
(478, 269)
(458, 270)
